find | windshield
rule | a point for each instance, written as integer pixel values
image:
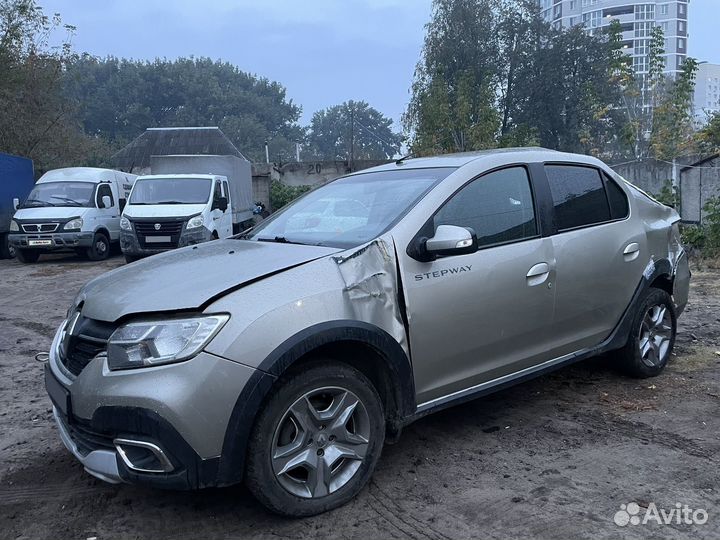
(60, 194)
(171, 191)
(349, 211)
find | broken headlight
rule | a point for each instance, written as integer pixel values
(151, 343)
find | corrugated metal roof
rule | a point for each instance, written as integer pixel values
(172, 141)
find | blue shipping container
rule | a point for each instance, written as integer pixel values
(16, 180)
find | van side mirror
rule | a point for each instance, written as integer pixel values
(16, 203)
(221, 203)
(106, 202)
(451, 240)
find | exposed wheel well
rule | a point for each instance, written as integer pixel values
(663, 282)
(103, 231)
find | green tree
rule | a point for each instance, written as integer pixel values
(118, 99)
(36, 120)
(453, 107)
(708, 137)
(353, 128)
(672, 129)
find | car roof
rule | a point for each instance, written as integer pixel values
(527, 154)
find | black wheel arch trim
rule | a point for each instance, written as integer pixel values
(253, 394)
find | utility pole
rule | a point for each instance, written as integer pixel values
(352, 135)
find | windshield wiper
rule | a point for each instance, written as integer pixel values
(38, 202)
(170, 202)
(67, 199)
(281, 240)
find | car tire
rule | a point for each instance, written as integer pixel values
(329, 414)
(100, 249)
(652, 336)
(6, 250)
(27, 256)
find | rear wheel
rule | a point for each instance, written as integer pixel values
(317, 440)
(652, 336)
(100, 248)
(27, 255)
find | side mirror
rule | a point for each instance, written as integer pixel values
(16, 203)
(451, 240)
(106, 202)
(221, 204)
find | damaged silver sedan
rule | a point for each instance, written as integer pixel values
(287, 356)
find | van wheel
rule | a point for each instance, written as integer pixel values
(27, 256)
(7, 251)
(100, 249)
(315, 443)
(652, 336)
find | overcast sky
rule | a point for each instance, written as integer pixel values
(323, 51)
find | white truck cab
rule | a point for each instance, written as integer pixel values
(174, 210)
(186, 200)
(76, 208)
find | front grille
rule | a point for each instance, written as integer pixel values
(39, 227)
(154, 229)
(80, 353)
(89, 339)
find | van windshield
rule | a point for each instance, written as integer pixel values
(60, 194)
(171, 191)
(349, 211)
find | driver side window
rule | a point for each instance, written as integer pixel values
(497, 206)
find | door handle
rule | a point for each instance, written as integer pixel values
(538, 274)
(631, 252)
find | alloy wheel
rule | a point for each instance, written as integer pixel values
(656, 332)
(320, 442)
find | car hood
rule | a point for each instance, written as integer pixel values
(188, 278)
(162, 210)
(50, 212)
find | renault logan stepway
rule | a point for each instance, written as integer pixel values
(287, 356)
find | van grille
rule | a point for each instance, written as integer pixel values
(155, 229)
(39, 227)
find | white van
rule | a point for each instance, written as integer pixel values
(77, 209)
(187, 200)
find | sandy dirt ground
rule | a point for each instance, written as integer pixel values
(552, 458)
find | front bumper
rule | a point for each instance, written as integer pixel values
(130, 245)
(102, 464)
(181, 409)
(52, 241)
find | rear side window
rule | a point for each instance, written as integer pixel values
(618, 201)
(578, 196)
(497, 206)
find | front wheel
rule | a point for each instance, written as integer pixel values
(315, 443)
(100, 249)
(652, 336)
(27, 256)
(7, 250)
